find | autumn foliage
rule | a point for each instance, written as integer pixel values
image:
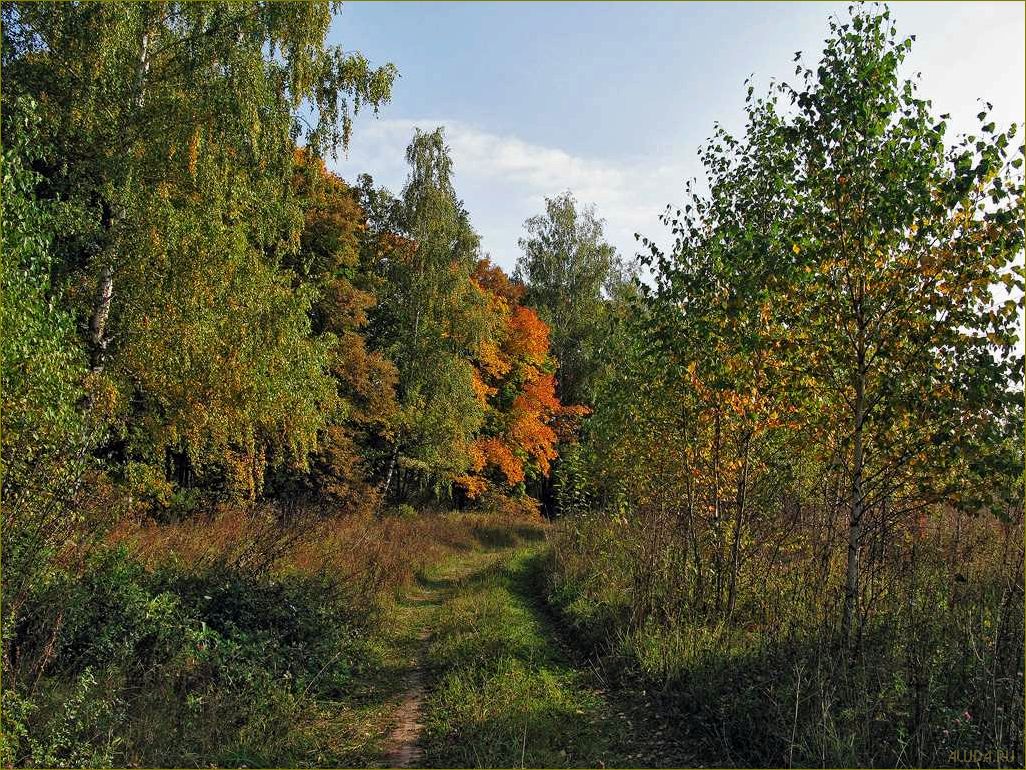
(514, 379)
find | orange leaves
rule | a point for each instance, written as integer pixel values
(345, 307)
(396, 247)
(533, 412)
(473, 486)
(497, 453)
(512, 379)
(538, 396)
(478, 458)
(366, 378)
(494, 280)
(529, 336)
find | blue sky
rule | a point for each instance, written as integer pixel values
(612, 100)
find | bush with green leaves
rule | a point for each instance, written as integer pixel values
(176, 664)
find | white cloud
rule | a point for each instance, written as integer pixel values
(504, 180)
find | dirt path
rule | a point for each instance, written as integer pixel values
(402, 746)
(417, 613)
(577, 716)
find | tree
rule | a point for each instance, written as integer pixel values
(838, 278)
(174, 126)
(565, 265)
(897, 246)
(331, 259)
(514, 383)
(46, 439)
(430, 319)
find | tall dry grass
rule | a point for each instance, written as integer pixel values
(368, 553)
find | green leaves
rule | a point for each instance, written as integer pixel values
(566, 265)
(175, 126)
(834, 297)
(430, 319)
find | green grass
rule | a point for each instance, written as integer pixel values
(163, 666)
(504, 694)
(937, 666)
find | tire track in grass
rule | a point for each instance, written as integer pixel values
(494, 681)
(504, 693)
(403, 744)
(416, 614)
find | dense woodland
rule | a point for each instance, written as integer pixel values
(768, 472)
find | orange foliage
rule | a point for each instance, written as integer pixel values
(525, 429)
(533, 412)
(529, 336)
(330, 246)
(481, 389)
(367, 379)
(343, 306)
(396, 247)
(473, 486)
(478, 460)
(494, 280)
(500, 455)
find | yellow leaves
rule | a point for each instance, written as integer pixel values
(102, 394)
(795, 248)
(490, 359)
(481, 390)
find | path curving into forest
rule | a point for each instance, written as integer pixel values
(492, 680)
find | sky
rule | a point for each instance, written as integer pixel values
(612, 100)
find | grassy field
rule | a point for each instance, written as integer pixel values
(438, 640)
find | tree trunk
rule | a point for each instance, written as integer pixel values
(739, 520)
(98, 337)
(98, 321)
(391, 471)
(691, 533)
(851, 586)
(717, 535)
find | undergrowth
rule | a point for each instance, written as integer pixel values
(238, 640)
(935, 675)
